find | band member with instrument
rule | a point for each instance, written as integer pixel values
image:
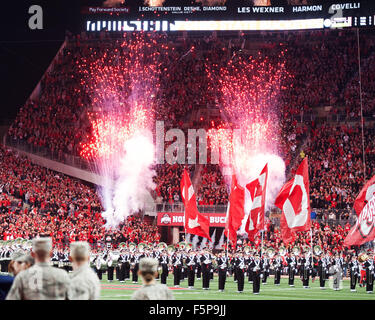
(369, 267)
(354, 273)
(110, 266)
(323, 267)
(249, 259)
(240, 268)
(222, 265)
(277, 264)
(257, 266)
(134, 265)
(122, 260)
(191, 264)
(206, 263)
(66, 262)
(98, 265)
(292, 268)
(266, 269)
(164, 262)
(306, 267)
(177, 266)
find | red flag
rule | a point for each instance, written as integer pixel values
(195, 222)
(294, 201)
(363, 231)
(235, 210)
(365, 195)
(257, 189)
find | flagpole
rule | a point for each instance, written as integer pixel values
(311, 244)
(227, 242)
(261, 245)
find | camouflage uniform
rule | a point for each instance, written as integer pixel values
(85, 284)
(40, 282)
(153, 292)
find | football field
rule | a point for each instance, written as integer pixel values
(123, 291)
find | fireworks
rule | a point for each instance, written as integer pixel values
(122, 83)
(248, 95)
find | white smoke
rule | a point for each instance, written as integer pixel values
(188, 236)
(195, 241)
(133, 180)
(211, 244)
(221, 242)
(251, 168)
(203, 243)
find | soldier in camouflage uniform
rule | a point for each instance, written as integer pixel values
(85, 284)
(41, 281)
(148, 270)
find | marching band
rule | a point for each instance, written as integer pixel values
(186, 262)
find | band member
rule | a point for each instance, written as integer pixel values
(110, 267)
(164, 262)
(98, 265)
(257, 266)
(336, 271)
(121, 261)
(222, 263)
(234, 266)
(306, 266)
(206, 263)
(127, 265)
(191, 264)
(249, 259)
(354, 273)
(55, 258)
(323, 267)
(177, 266)
(66, 261)
(266, 269)
(134, 264)
(277, 265)
(240, 268)
(369, 267)
(292, 269)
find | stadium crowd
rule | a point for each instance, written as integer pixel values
(35, 200)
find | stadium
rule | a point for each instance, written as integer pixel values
(228, 144)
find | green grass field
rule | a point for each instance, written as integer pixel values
(123, 291)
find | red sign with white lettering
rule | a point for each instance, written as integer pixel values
(176, 219)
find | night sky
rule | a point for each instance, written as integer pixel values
(26, 54)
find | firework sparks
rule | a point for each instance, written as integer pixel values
(122, 82)
(248, 95)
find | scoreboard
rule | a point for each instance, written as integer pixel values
(232, 16)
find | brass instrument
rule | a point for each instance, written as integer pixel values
(306, 249)
(270, 252)
(132, 246)
(296, 251)
(115, 255)
(282, 251)
(170, 249)
(142, 246)
(182, 245)
(317, 250)
(122, 245)
(162, 246)
(247, 250)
